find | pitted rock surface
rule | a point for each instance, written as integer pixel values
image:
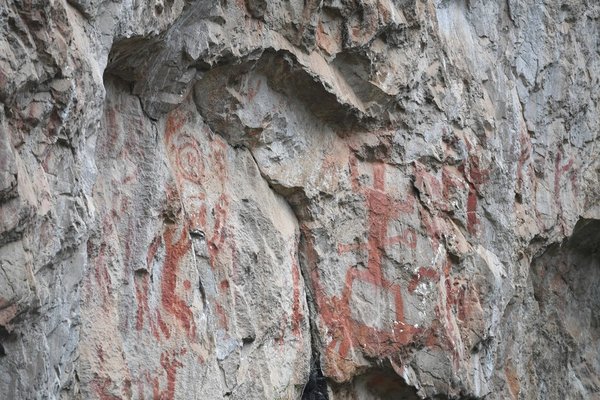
(366, 199)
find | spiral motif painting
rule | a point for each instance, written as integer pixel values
(189, 158)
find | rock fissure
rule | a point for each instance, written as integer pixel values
(315, 387)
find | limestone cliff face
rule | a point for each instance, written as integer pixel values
(337, 199)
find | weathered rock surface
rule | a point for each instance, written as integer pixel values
(367, 199)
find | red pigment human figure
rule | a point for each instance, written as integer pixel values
(475, 176)
(336, 311)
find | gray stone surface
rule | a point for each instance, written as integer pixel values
(370, 199)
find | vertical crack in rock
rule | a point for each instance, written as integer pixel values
(316, 387)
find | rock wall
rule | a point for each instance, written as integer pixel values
(337, 199)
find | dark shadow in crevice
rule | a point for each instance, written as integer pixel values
(316, 386)
(566, 287)
(379, 383)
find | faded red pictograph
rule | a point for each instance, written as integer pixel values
(376, 338)
(470, 175)
(461, 314)
(162, 387)
(102, 388)
(562, 169)
(475, 176)
(293, 321)
(177, 245)
(296, 305)
(188, 158)
(458, 311)
(524, 172)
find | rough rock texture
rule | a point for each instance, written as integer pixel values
(343, 199)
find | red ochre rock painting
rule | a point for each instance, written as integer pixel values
(142, 287)
(459, 305)
(561, 170)
(336, 312)
(170, 364)
(188, 162)
(177, 245)
(176, 242)
(216, 241)
(423, 273)
(188, 157)
(189, 167)
(141, 294)
(523, 170)
(438, 197)
(296, 317)
(347, 334)
(102, 274)
(476, 176)
(102, 387)
(296, 305)
(469, 175)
